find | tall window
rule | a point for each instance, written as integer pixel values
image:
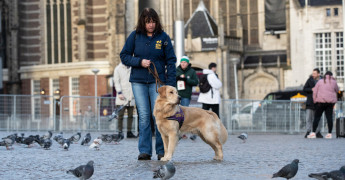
(36, 87)
(75, 86)
(339, 48)
(56, 84)
(328, 12)
(323, 52)
(58, 31)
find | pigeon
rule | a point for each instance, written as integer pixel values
(75, 138)
(8, 142)
(48, 135)
(117, 137)
(108, 138)
(335, 175)
(40, 141)
(83, 172)
(165, 171)
(288, 171)
(47, 143)
(115, 113)
(66, 144)
(29, 140)
(86, 139)
(19, 139)
(96, 143)
(243, 136)
(59, 138)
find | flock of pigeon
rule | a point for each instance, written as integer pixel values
(81, 172)
(45, 141)
(164, 172)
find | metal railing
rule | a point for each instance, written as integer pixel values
(41, 113)
(89, 113)
(26, 112)
(269, 116)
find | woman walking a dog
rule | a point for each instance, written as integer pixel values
(148, 50)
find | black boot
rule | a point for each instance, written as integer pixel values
(307, 134)
(144, 156)
(130, 135)
(319, 135)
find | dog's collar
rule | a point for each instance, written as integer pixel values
(178, 116)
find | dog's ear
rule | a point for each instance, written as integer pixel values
(162, 92)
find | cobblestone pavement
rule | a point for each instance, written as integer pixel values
(258, 158)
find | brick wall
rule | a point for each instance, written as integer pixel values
(45, 85)
(26, 86)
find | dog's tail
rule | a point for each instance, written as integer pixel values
(223, 132)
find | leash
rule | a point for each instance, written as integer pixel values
(155, 75)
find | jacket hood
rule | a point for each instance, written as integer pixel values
(207, 71)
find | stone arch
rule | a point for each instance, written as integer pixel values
(259, 84)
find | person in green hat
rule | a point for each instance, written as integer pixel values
(186, 78)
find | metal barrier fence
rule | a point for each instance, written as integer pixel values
(26, 112)
(269, 116)
(89, 113)
(41, 113)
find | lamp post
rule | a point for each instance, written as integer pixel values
(95, 71)
(235, 61)
(344, 42)
(57, 109)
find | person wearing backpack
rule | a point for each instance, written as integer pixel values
(186, 78)
(209, 86)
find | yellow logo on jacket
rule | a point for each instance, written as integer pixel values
(159, 44)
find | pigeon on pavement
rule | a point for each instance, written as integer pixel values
(86, 139)
(20, 139)
(334, 175)
(48, 135)
(83, 172)
(29, 140)
(8, 142)
(66, 144)
(288, 171)
(96, 143)
(165, 171)
(47, 143)
(75, 138)
(243, 136)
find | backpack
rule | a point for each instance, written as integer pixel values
(204, 86)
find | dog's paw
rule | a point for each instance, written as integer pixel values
(217, 158)
(165, 159)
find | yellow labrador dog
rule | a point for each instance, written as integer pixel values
(204, 123)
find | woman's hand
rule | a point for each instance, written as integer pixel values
(145, 63)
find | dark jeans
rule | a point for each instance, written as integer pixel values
(129, 119)
(319, 109)
(214, 107)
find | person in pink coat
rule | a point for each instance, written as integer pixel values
(324, 96)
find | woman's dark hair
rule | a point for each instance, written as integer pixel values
(147, 15)
(330, 76)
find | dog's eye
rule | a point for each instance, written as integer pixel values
(171, 92)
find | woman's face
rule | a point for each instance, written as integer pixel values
(150, 26)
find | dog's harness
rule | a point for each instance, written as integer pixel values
(178, 116)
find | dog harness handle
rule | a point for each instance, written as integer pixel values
(156, 76)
